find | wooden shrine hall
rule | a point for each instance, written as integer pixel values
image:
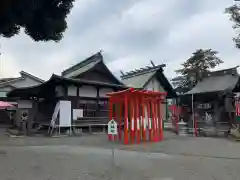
(84, 84)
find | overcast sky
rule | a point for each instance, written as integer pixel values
(130, 33)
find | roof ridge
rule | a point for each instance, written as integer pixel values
(32, 76)
(141, 71)
(222, 72)
(86, 61)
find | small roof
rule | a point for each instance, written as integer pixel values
(4, 81)
(32, 76)
(140, 78)
(217, 81)
(138, 81)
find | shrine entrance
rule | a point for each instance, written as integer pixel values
(138, 115)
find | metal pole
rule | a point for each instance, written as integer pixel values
(193, 119)
(113, 156)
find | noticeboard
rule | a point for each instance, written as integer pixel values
(112, 127)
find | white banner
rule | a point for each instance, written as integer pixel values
(150, 123)
(138, 124)
(132, 124)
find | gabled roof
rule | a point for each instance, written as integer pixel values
(24, 73)
(83, 66)
(140, 77)
(87, 65)
(5, 81)
(217, 81)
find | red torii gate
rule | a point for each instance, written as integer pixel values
(139, 114)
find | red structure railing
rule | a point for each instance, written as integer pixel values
(138, 115)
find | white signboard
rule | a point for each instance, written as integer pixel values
(65, 114)
(77, 113)
(112, 127)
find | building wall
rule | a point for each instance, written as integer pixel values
(154, 85)
(4, 90)
(72, 91)
(93, 108)
(104, 91)
(59, 91)
(87, 91)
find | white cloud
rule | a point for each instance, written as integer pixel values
(131, 32)
(8, 67)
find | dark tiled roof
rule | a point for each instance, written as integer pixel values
(83, 66)
(9, 80)
(95, 61)
(32, 76)
(217, 81)
(3, 80)
(42, 90)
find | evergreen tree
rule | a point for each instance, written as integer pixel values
(42, 20)
(196, 67)
(234, 12)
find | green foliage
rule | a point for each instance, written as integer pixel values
(196, 67)
(234, 12)
(42, 20)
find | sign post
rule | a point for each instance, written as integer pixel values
(112, 131)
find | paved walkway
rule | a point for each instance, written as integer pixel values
(192, 146)
(90, 158)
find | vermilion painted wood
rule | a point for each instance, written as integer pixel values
(120, 121)
(132, 101)
(110, 104)
(138, 119)
(132, 114)
(126, 119)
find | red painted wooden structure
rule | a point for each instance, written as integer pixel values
(237, 106)
(138, 115)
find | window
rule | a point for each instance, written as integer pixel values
(93, 108)
(3, 94)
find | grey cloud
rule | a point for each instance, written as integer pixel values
(138, 30)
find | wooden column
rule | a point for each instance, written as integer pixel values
(78, 90)
(65, 92)
(98, 96)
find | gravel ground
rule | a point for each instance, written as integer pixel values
(90, 158)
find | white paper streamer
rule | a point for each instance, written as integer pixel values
(132, 127)
(150, 123)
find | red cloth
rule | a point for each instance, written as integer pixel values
(4, 105)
